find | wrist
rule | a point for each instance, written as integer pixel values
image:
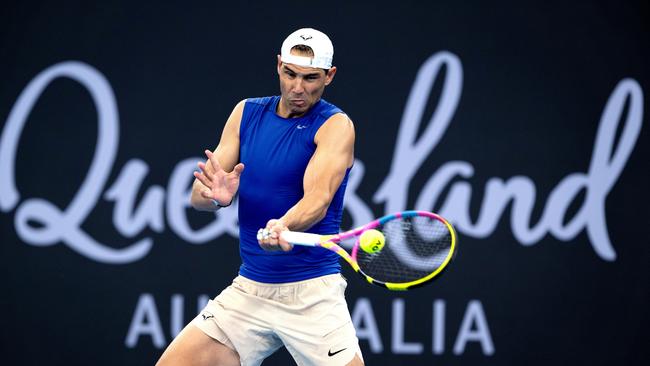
(282, 223)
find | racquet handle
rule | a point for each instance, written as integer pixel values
(298, 238)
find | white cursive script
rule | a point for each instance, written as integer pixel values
(131, 218)
(605, 168)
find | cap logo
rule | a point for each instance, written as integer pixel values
(305, 38)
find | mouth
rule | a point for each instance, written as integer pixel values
(298, 102)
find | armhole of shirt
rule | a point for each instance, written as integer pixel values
(252, 106)
(244, 117)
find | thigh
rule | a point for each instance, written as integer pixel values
(320, 330)
(193, 347)
(356, 361)
(340, 347)
(242, 321)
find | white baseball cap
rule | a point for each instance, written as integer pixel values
(318, 41)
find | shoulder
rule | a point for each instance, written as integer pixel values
(338, 127)
(234, 120)
(237, 112)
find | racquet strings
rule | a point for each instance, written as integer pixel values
(415, 247)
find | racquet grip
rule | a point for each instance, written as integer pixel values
(298, 238)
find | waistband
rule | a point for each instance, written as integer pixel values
(335, 276)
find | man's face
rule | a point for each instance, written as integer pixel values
(301, 87)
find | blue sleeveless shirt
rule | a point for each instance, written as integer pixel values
(275, 152)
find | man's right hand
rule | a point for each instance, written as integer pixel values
(270, 239)
(218, 184)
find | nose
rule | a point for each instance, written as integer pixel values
(297, 87)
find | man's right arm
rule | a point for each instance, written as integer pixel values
(226, 158)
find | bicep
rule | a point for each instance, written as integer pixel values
(333, 156)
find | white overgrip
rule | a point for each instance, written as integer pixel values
(298, 238)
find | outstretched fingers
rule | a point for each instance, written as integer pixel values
(217, 184)
(213, 161)
(203, 176)
(203, 168)
(239, 168)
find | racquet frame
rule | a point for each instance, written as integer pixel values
(329, 242)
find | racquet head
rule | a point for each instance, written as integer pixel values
(418, 247)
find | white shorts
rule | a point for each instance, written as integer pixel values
(310, 318)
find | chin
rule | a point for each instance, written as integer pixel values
(300, 109)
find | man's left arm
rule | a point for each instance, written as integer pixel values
(333, 156)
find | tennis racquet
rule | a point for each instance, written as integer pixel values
(418, 247)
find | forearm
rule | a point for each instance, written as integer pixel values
(307, 212)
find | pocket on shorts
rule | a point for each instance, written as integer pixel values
(337, 330)
(336, 308)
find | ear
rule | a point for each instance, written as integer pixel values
(330, 75)
(279, 64)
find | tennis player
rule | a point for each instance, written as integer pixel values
(288, 157)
